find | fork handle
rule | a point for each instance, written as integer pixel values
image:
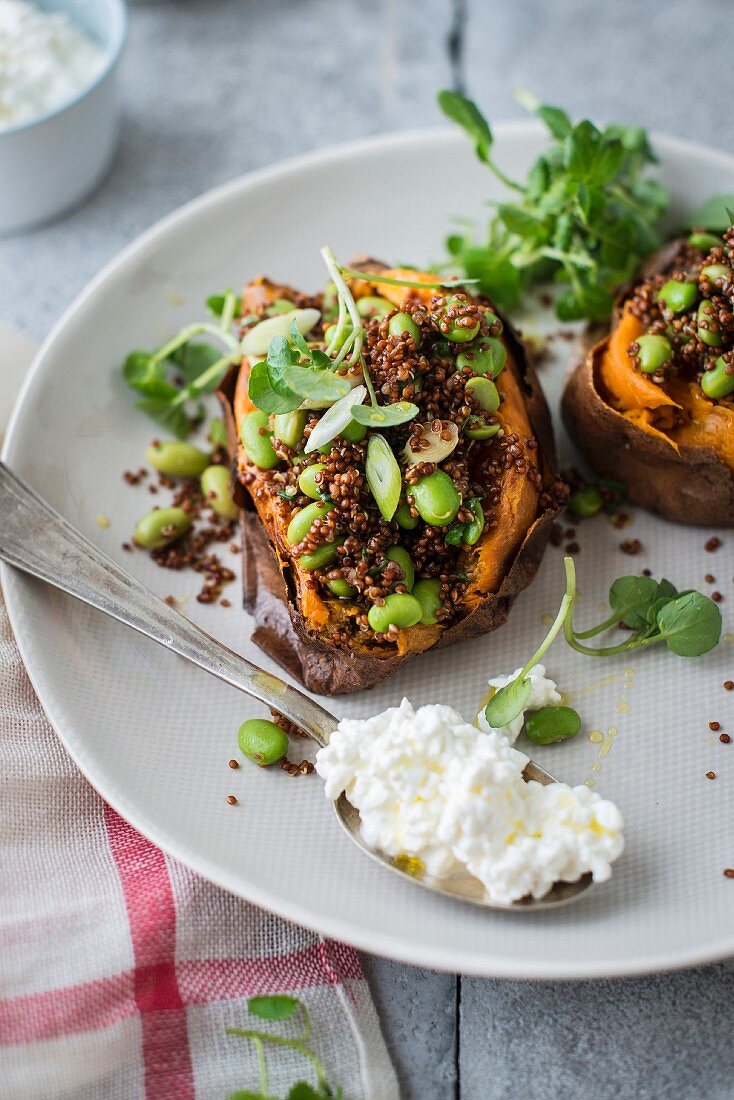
(39, 541)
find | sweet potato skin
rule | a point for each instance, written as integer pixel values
(281, 630)
(688, 485)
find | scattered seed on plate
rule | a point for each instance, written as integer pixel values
(711, 775)
(232, 799)
(234, 764)
(715, 726)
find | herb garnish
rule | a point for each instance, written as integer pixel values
(585, 216)
(282, 1007)
(688, 622)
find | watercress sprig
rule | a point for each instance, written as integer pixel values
(585, 216)
(174, 377)
(689, 624)
(282, 1007)
(507, 703)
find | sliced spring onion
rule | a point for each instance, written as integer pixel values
(257, 340)
(383, 475)
(335, 419)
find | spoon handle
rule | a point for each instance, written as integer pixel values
(37, 540)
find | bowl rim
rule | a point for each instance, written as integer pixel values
(113, 52)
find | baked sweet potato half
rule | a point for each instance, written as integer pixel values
(409, 512)
(652, 402)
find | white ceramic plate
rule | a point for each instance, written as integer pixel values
(154, 735)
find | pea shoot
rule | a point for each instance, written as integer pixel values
(276, 1008)
(585, 216)
(655, 612)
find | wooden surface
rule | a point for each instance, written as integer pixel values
(214, 88)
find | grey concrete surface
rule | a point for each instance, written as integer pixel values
(214, 88)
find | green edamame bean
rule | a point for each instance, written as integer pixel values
(494, 323)
(488, 356)
(426, 592)
(341, 588)
(678, 296)
(288, 427)
(719, 381)
(550, 724)
(473, 529)
(307, 481)
(436, 498)
(704, 241)
(161, 526)
(301, 523)
(655, 352)
(403, 324)
(262, 742)
(177, 459)
(404, 518)
(708, 325)
(331, 332)
(257, 439)
(586, 502)
(399, 609)
(280, 305)
(484, 392)
(373, 306)
(320, 557)
(353, 432)
(476, 428)
(462, 329)
(400, 555)
(216, 485)
(717, 271)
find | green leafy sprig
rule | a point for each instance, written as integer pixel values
(585, 216)
(687, 622)
(275, 1008)
(173, 379)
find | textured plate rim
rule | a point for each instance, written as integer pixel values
(373, 942)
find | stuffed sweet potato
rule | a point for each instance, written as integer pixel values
(409, 511)
(652, 402)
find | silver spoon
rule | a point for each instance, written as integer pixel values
(37, 540)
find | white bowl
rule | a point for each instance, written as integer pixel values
(52, 162)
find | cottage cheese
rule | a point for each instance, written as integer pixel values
(45, 60)
(543, 693)
(430, 786)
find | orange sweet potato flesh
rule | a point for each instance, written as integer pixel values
(670, 445)
(294, 625)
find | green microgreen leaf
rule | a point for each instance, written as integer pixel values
(586, 214)
(146, 375)
(173, 418)
(192, 359)
(275, 1007)
(385, 416)
(269, 392)
(630, 598)
(303, 1091)
(713, 214)
(466, 114)
(690, 624)
(215, 304)
(508, 703)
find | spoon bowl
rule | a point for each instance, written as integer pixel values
(37, 540)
